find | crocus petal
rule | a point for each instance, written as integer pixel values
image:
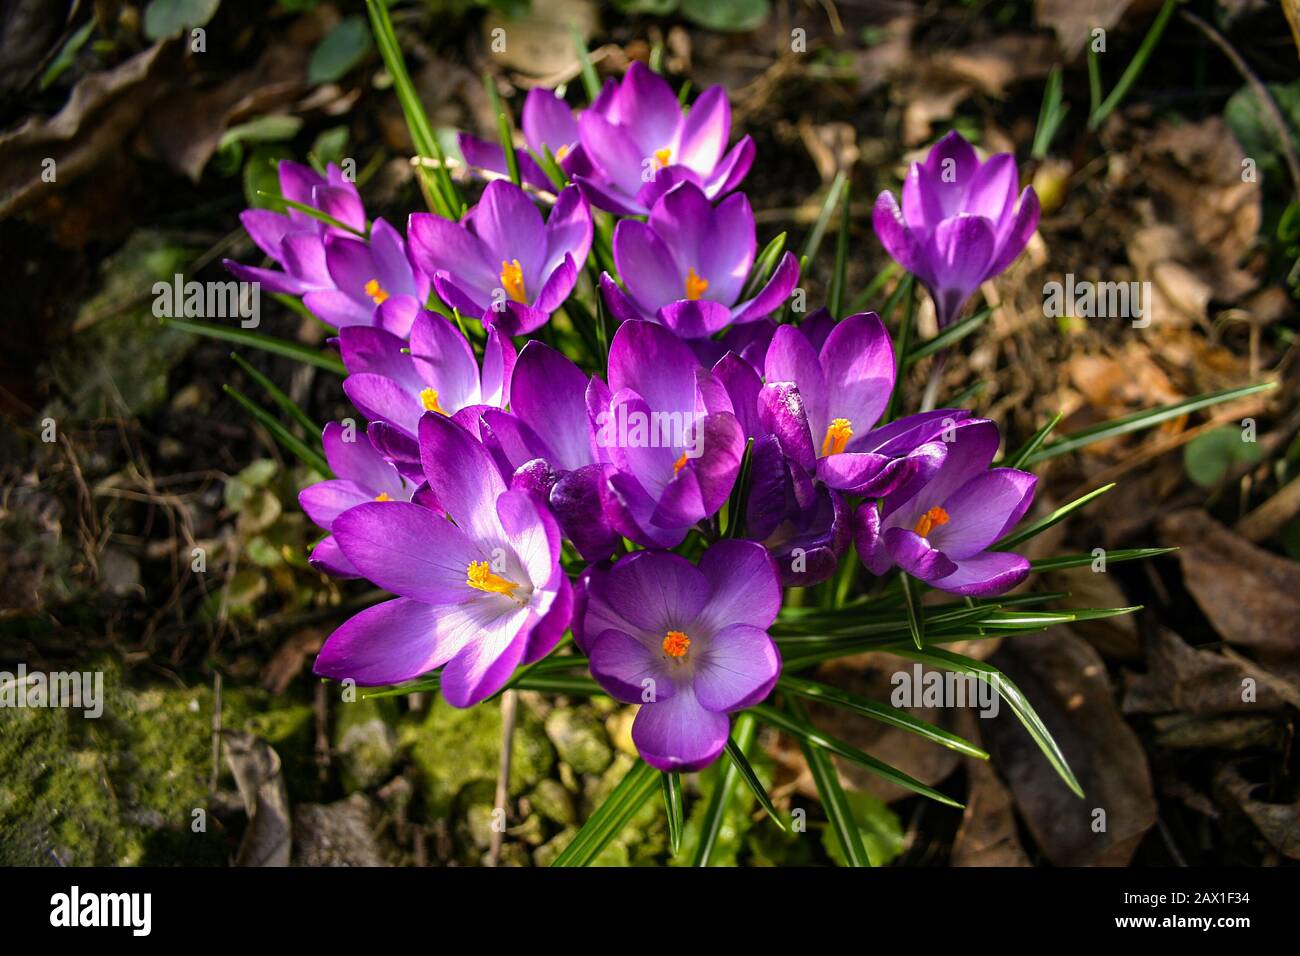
(867, 539)
(677, 734)
(729, 173)
(481, 154)
(694, 318)
(952, 164)
(557, 287)
(647, 266)
(268, 279)
(971, 446)
(993, 188)
(706, 130)
(548, 392)
(649, 109)
(738, 668)
(438, 245)
(543, 638)
(493, 642)
(498, 367)
(532, 535)
(896, 236)
(623, 308)
(408, 550)
(338, 308)
(791, 359)
(913, 554)
(326, 500)
(858, 358)
(627, 668)
(568, 230)
(1017, 232)
(381, 399)
(743, 384)
(461, 473)
(961, 250)
(781, 411)
(983, 575)
(655, 592)
(396, 314)
(654, 363)
(266, 228)
(547, 121)
(445, 361)
(579, 505)
(703, 484)
(613, 152)
(604, 195)
(773, 294)
(327, 558)
(744, 582)
(385, 644)
(861, 473)
(982, 510)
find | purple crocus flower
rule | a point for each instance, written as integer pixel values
(480, 591)
(393, 382)
(295, 240)
(685, 268)
(361, 475)
(547, 443)
(822, 403)
(668, 427)
(640, 144)
(960, 223)
(548, 124)
(688, 643)
(939, 530)
(502, 263)
(365, 276)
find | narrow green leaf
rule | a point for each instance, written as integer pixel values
(893, 716)
(1135, 67)
(1018, 458)
(915, 619)
(1143, 419)
(672, 787)
(827, 780)
(1112, 557)
(763, 266)
(873, 287)
(954, 333)
(739, 502)
(814, 240)
(504, 136)
(256, 340)
(575, 685)
(1050, 115)
(311, 211)
(610, 817)
(1009, 692)
(590, 82)
(838, 277)
(281, 434)
(277, 396)
(716, 809)
(747, 774)
(802, 730)
(1057, 516)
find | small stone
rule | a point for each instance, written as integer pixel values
(580, 740)
(553, 802)
(619, 727)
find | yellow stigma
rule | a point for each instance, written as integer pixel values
(931, 520)
(429, 399)
(679, 464)
(512, 280)
(676, 644)
(561, 153)
(837, 437)
(383, 496)
(695, 286)
(662, 156)
(376, 292)
(481, 576)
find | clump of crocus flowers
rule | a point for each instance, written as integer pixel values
(507, 492)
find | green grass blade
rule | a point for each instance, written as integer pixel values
(814, 240)
(1143, 419)
(1135, 67)
(893, 716)
(715, 810)
(742, 765)
(873, 287)
(575, 685)
(802, 730)
(255, 340)
(1057, 516)
(1050, 115)
(313, 212)
(504, 136)
(915, 619)
(672, 787)
(277, 396)
(610, 817)
(834, 802)
(838, 277)
(290, 441)
(1014, 698)
(1112, 557)
(1018, 458)
(954, 333)
(763, 267)
(590, 82)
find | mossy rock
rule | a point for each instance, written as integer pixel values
(365, 744)
(580, 740)
(454, 747)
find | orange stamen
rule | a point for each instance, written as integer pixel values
(932, 519)
(837, 437)
(480, 575)
(512, 280)
(695, 285)
(662, 156)
(376, 292)
(676, 644)
(429, 399)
